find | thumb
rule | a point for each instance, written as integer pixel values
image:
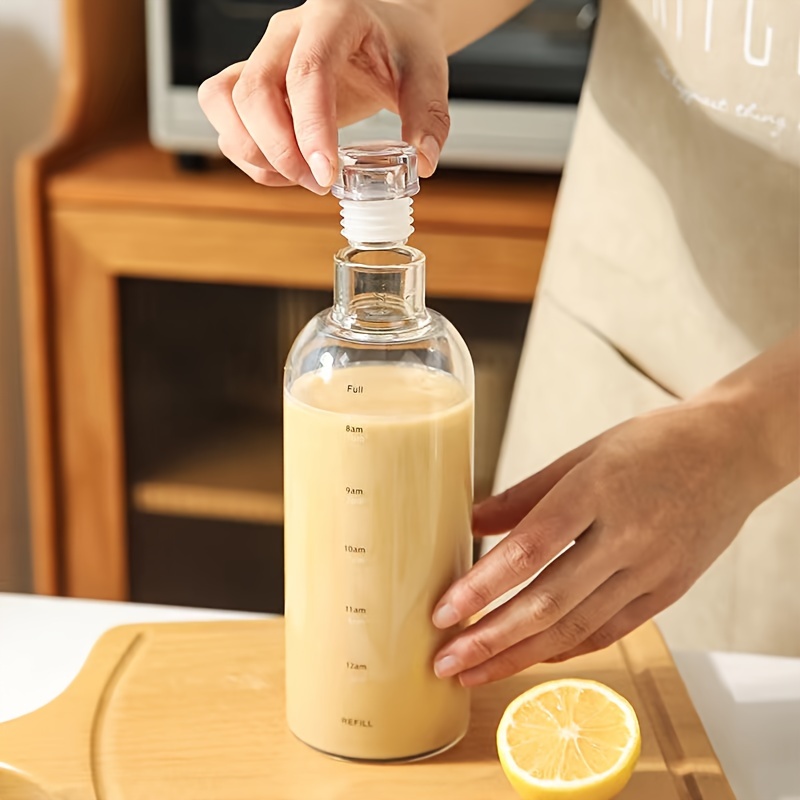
(506, 510)
(423, 105)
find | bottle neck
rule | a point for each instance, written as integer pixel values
(380, 291)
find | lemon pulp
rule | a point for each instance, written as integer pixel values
(569, 739)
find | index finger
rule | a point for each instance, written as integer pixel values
(504, 511)
(554, 523)
(311, 80)
(260, 101)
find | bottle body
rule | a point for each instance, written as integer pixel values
(378, 498)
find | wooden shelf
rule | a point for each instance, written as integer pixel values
(133, 174)
(232, 475)
(229, 474)
(219, 226)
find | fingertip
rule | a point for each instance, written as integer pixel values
(214, 85)
(484, 522)
(445, 616)
(429, 152)
(322, 169)
(478, 514)
(445, 667)
(425, 168)
(203, 91)
(480, 530)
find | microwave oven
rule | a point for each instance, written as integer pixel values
(513, 93)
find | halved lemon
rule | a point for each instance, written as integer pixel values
(569, 738)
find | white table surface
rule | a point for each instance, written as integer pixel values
(750, 705)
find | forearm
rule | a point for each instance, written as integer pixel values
(763, 398)
(461, 22)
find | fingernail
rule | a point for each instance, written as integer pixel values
(445, 616)
(445, 666)
(429, 148)
(321, 169)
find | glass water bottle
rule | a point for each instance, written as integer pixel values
(378, 421)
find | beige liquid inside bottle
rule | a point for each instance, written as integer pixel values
(378, 420)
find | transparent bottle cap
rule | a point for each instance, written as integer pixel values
(379, 171)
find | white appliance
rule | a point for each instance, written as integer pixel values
(513, 94)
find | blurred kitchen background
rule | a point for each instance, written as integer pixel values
(159, 290)
(30, 57)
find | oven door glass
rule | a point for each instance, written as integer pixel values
(538, 56)
(208, 35)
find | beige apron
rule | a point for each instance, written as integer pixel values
(673, 259)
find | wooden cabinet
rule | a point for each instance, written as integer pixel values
(139, 283)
